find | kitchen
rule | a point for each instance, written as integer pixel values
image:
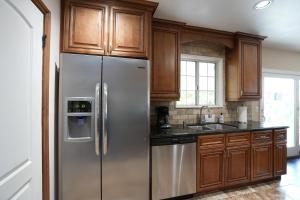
(153, 100)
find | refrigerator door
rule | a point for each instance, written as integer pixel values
(125, 136)
(79, 164)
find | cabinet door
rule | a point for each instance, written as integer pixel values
(85, 28)
(165, 66)
(280, 159)
(250, 69)
(210, 170)
(130, 31)
(238, 165)
(262, 162)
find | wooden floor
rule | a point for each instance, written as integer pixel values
(288, 188)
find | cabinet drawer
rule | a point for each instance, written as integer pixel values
(238, 139)
(212, 141)
(262, 136)
(280, 135)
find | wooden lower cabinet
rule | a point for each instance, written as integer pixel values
(262, 162)
(238, 165)
(227, 160)
(210, 170)
(280, 159)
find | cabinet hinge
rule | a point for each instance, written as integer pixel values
(44, 40)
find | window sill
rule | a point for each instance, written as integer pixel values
(194, 107)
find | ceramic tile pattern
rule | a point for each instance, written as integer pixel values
(288, 188)
(191, 115)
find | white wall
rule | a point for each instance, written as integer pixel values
(280, 59)
(54, 7)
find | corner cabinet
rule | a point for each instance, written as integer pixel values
(107, 28)
(243, 68)
(165, 61)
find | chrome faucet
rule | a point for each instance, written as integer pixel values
(202, 119)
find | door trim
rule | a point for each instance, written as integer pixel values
(45, 98)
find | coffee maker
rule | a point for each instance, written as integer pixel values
(163, 117)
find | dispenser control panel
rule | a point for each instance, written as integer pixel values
(79, 106)
(79, 119)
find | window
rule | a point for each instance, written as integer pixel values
(201, 81)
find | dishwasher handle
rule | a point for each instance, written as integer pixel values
(173, 140)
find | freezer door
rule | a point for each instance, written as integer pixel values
(125, 136)
(79, 164)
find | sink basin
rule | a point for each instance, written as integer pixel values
(220, 127)
(212, 127)
(199, 127)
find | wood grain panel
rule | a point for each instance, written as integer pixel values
(243, 68)
(280, 159)
(238, 139)
(211, 141)
(262, 137)
(85, 28)
(130, 30)
(210, 170)
(251, 68)
(238, 165)
(165, 67)
(280, 136)
(262, 162)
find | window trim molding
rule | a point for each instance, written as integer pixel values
(220, 77)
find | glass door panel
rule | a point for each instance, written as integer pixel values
(279, 104)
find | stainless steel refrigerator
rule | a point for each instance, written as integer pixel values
(103, 128)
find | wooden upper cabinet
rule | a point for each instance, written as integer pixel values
(250, 69)
(129, 32)
(117, 28)
(243, 68)
(85, 28)
(165, 75)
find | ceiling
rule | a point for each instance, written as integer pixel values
(280, 22)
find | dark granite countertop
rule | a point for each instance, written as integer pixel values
(179, 130)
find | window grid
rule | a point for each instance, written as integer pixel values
(186, 89)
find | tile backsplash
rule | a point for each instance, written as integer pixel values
(191, 115)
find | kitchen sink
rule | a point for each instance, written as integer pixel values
(199, 127)
(212, 127)
(220, 127)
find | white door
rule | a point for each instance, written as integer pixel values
(280, 105)
(21, 29)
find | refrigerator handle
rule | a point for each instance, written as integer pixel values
(104, 119)
(97, 93)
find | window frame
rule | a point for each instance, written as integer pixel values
(219, 80)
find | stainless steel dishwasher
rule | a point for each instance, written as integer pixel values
(173, 167)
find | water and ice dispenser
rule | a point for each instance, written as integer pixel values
(79, 117)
